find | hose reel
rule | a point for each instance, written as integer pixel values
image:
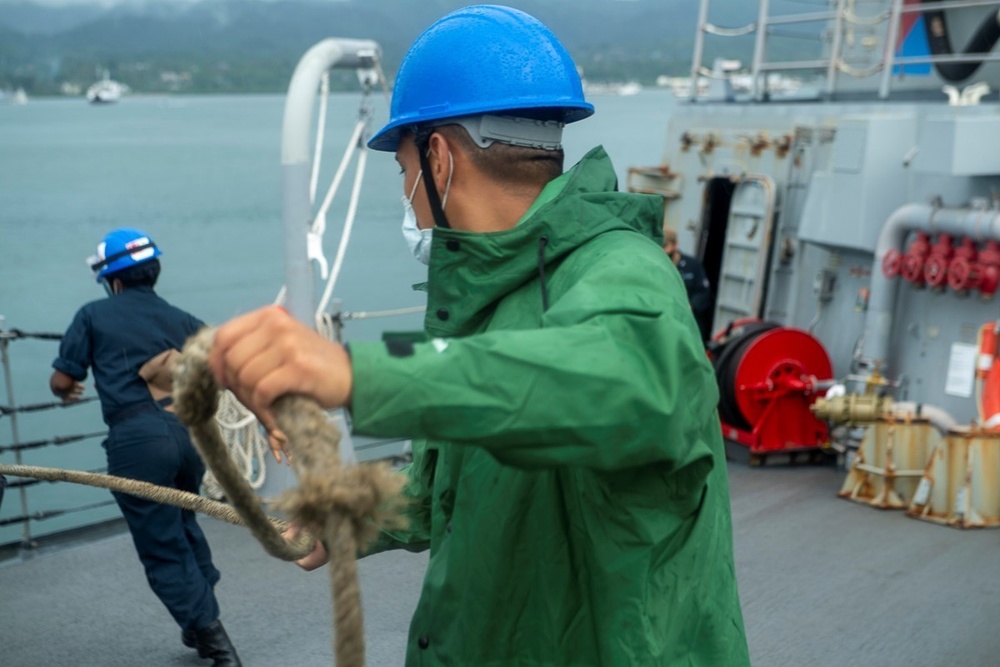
(768, 376)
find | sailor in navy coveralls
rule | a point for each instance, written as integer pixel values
(125, 338)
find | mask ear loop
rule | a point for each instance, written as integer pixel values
(413, 190)
(447, 185)
(437, 210)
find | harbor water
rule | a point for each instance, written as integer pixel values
(202, 176)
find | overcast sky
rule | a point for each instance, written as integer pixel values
(60, 3)
(57, 3)
(109, 3)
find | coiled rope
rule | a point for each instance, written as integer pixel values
(344, 505)
(245, 442)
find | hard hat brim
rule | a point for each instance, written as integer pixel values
(387, 139)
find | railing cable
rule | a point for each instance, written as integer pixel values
(58, 440)
(37, 407)
(49, 514)
(14, 334)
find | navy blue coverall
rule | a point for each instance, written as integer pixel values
(115, 337)
(699, 292)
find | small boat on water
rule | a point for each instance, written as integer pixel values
(15, 98)
(624, 89)
(106, 90)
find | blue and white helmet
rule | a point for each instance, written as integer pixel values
(121, 249)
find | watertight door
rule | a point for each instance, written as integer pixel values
(743, 271)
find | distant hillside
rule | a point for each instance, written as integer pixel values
(34, 19)
(252, 45)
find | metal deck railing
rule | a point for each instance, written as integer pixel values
(10, 412)
(834, 26)
(27, 514)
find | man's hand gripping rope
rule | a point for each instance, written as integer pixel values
(345, 506)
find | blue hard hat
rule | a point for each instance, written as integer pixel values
(483, 59)
(121, 249)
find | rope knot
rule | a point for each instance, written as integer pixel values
(344, 505)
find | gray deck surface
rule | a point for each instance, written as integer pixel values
(823, 582)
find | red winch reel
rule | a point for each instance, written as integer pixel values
(768, 377)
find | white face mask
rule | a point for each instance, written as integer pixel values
(419, 240)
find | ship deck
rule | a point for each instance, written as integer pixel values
(823, 581)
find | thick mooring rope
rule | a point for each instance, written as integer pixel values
(344, 505)
(160, 494)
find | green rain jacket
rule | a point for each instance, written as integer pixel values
(572, 486)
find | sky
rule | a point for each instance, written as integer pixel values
(108, 3)
(104, 3)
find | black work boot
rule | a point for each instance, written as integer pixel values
(188, 638)
(213, 642)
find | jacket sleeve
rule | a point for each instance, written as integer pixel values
(616, 377)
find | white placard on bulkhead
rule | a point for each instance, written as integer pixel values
(961, 370)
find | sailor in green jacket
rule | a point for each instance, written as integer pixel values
(568, 473)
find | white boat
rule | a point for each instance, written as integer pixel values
(16, 98)
(629, 88)
(623, 88)
(106, 91)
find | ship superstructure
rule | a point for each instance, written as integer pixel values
(864, 214)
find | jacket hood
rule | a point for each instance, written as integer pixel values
(470, 271)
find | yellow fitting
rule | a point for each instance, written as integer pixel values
(874, 381)
(853, 408)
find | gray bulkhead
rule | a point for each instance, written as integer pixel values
(837, 172)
